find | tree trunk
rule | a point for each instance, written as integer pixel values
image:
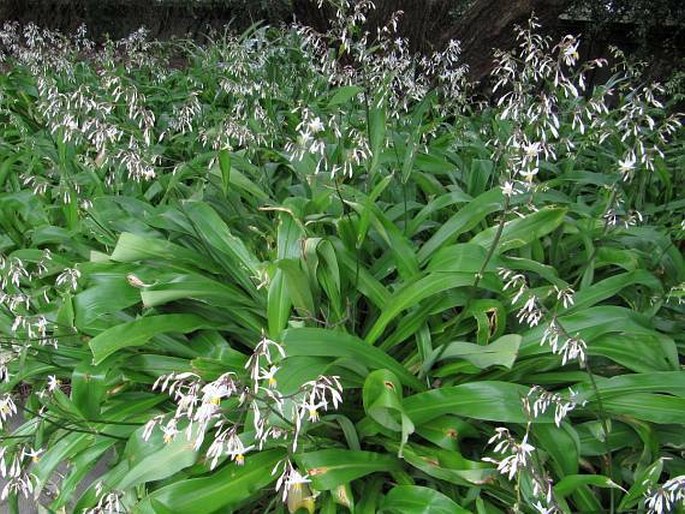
(489, 24)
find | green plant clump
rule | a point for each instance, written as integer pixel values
(299, 271)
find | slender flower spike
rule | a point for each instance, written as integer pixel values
(517, 454)
(69, 276)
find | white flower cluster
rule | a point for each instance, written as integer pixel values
(530, 312)
(542, 400)
(348, 54)
(273, 415)
(18, 479)
(349, 146)
(23, 295)
(109, 503)
(518, 461)
(544, 88)
(569, 347)
(666, 497)
(517, 454)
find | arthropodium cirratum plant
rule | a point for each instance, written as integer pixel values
(196, 262)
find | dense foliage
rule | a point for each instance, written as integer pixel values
(306, 271)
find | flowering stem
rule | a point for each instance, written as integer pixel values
(605, 428)
(495, 241)
(72, 429)
(601, 416)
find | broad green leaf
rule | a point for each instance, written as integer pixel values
(562, 444)
(522, 231)
(400, 247)
(464, 220)
(657, 408)
(593, 442)
(88, 388)
(162, 460)
(435, 205)
(225, 167)
(644, 481)
(446, 431)
(62, 448)
(329, 343)
(414, 292)
(671, 382)
(193, 286)
(102, 486)
(133, 248)
(611, 286)
(81, 466)
(463, 257)
(447, 465)
(344, 94)
(226, 248)
(226, 488)
(278, 304)
(382, 399)
(639, 352)
(501, 352)
(414, 499)
(94, 308)
(138, 332)
(364, 281)
(487, 400)
(330, 468)
(297, 287)
(377, 133)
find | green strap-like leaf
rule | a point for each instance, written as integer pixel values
(330, 468)
(414, 499)
(329, 343)
(494, 401)
(225, 489)
(382, 397)
(138, 332)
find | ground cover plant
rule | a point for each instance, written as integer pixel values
(306, 271)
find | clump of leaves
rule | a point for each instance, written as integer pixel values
(304, 273)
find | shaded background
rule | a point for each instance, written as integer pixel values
(652, 30)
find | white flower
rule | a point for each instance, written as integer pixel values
(667, 497)
(170, 430)
(53, 383)
(565, 296)
(69, 276)
(626, 166)
(32, 454)
(543, 400)
(530, 312)
(150, 425)
(290, 480)
(571, 349)
(269, 375)
(222, 387)
(310, 408)
(7, 408)
(518, 453)
(315, 125)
